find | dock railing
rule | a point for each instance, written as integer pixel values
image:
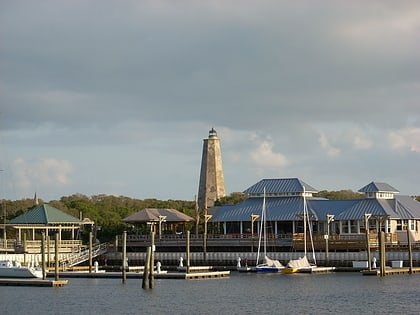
(82, 255)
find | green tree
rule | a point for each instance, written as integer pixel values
(339, 195)
(233, 198)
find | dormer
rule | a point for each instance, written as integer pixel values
(281, 187)
(376, 190)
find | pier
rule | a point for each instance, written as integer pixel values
(139, 275)
(32, 282)
(391, 271)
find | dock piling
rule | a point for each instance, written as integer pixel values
(410, 253)
(124, 264)
(44, 274)
(90, 251)
(152, 261)
(146, 269)
(56, 257)
(188, 251)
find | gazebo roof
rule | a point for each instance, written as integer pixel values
(45, 214)
(152, 215)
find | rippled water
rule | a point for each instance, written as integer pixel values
(345, 293)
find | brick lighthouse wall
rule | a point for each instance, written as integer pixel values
(212, 184)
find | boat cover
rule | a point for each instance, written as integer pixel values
(272, 262)
(299, 263)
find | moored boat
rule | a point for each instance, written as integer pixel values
(13, 269)
(302, 265)
(269, 265)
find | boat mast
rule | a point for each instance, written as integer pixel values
(262, 231)
(265, 227)
(304, 218)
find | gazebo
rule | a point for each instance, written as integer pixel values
(153, 216)
(47, 219)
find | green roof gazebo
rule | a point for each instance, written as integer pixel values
(45, 218)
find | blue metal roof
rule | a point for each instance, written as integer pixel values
(291, 208)
(279, 185)
(358, 210)
(335, 207)
(378, 187)
(277, 209)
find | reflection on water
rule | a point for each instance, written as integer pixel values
(345, 293)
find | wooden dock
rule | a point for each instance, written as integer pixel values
(139, 275)
(322, 269)
(390, 271)
(32, 282)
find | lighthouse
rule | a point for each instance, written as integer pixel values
(212, 184)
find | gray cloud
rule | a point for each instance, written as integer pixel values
(273, 75)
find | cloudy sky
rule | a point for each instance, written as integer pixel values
(116, 97)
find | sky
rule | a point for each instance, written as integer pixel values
(116, 97)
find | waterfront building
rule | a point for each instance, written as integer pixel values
(212, 184)
(161, 221)
(385, 209)
(50, 221)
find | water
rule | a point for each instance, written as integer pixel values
(344, 293)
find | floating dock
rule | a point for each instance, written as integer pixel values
(322, 269)
(137, 275)
(32, 282)
(390, 271)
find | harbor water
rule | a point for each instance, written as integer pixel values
(241, 293)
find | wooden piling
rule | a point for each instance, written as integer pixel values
(124, 257)
(205, 246)
(48, 251)
(44, 274)
(146, 269)
(382, 252)
(152, 261)
(25, 248)
(90, 251)
(410, 253)
(188, 251)
(56, 263)
(369, 259)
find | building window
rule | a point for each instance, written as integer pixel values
(345, 227)
(401, 225)
(354, 226)
(413, 225)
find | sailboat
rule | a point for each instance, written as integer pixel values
(302, 264)
(269, 265)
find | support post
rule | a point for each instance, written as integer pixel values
(162, 218)
(90, 251)
(330, 218)
(146, 269)
(124, 258)
(188, 251)
(367, 217)
(382, 251)
(44, 275)
(254, 217)
(207, 217)
(25, 249)
(56, 276)
(152, 262)
(410, 253)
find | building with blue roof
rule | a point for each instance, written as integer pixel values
(387, 211)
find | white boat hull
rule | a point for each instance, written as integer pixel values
(10, 270)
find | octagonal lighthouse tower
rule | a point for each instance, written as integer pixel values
(212, 184)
